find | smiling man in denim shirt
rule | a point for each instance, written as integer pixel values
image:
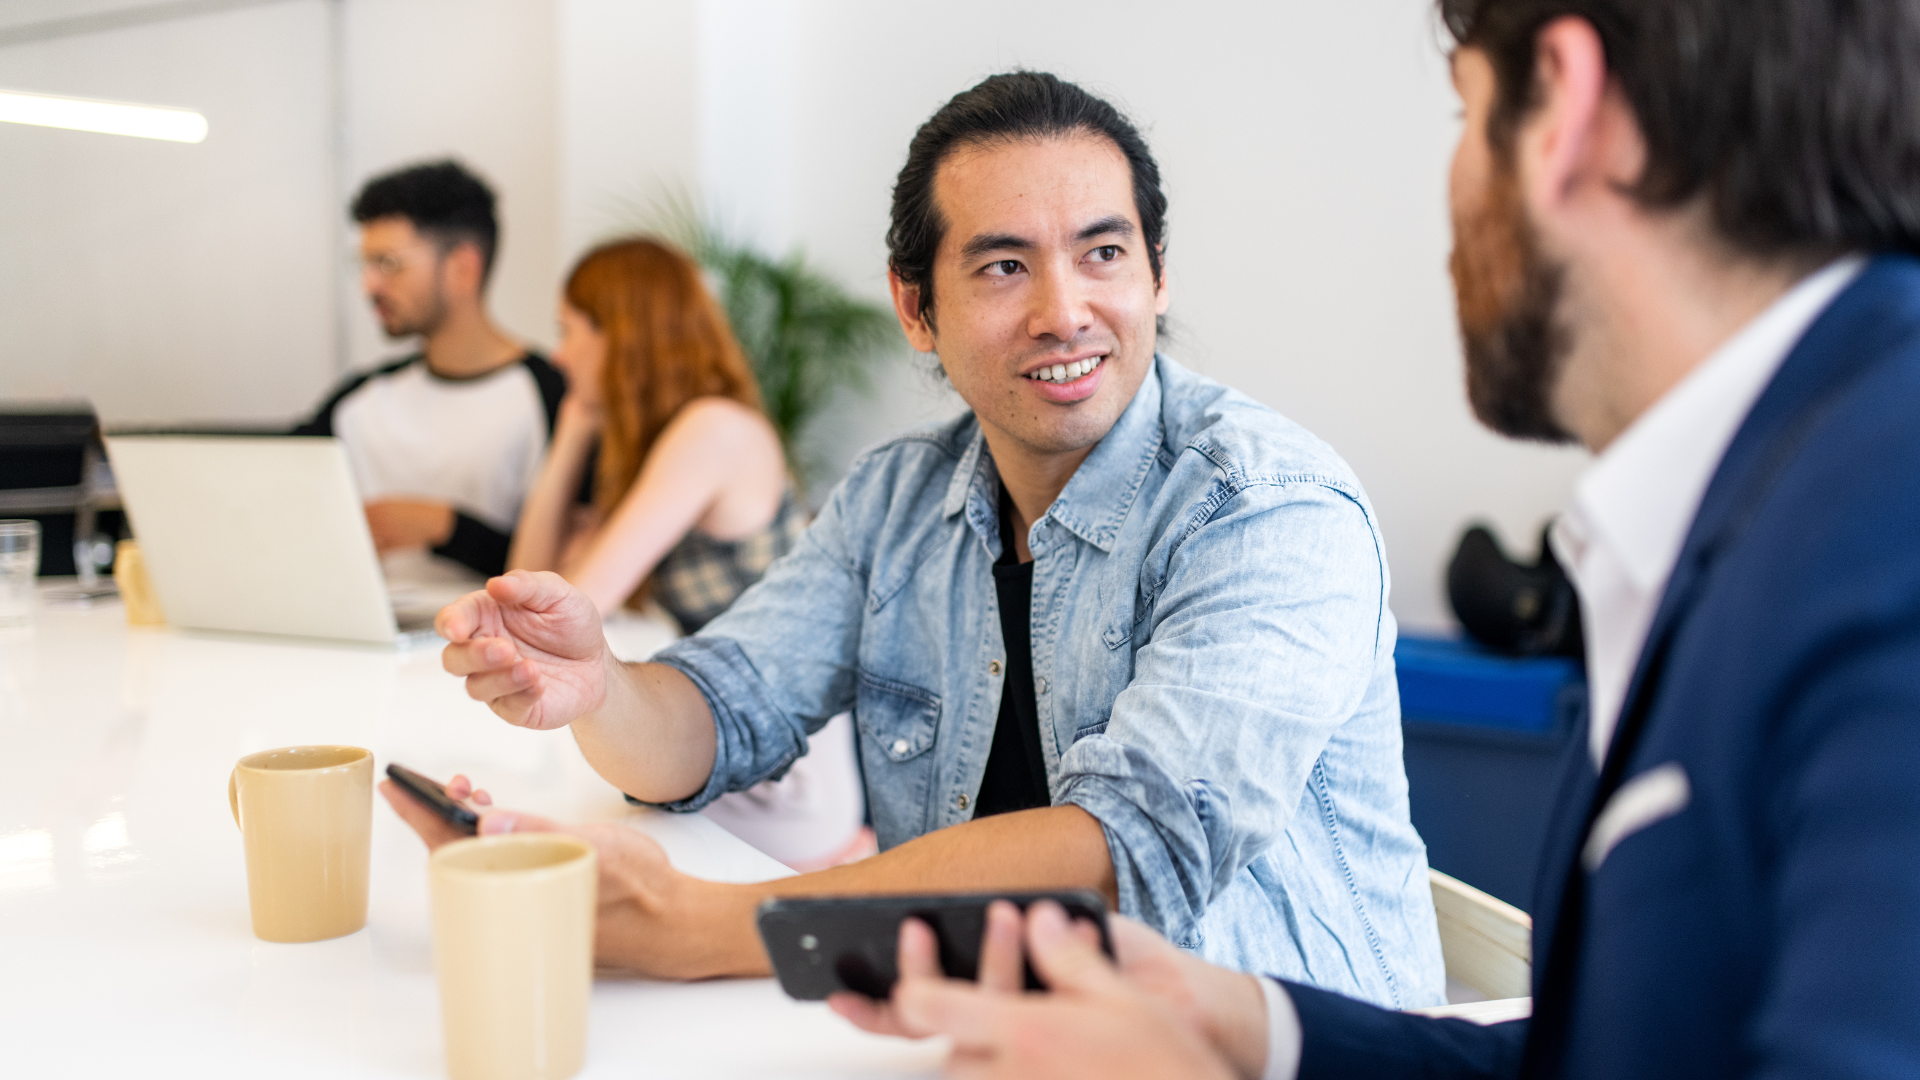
(1203, 722)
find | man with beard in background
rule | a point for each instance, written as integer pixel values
(444, 443)
(1685, 235)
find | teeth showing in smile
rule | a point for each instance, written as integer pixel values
(1060, 373)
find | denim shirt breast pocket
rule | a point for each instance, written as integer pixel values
(897, 723)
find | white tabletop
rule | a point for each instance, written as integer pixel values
(125, 947)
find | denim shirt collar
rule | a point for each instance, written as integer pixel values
(1097, 496)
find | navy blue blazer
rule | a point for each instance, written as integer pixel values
(1770, 927)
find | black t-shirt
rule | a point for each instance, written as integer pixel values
(1016, 777)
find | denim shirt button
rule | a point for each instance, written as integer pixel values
(901, 746)
(1040, 686)
(993, 668)
(961, 801)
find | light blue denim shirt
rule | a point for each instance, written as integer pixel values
(1213, 665)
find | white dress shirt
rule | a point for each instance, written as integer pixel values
(1633, 506)
(1631, 511)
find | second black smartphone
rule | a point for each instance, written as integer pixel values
(820, 945)
(434, 797)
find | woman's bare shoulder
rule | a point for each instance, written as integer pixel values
(721, 425)
(722, 413)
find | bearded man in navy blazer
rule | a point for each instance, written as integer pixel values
(1685, 236)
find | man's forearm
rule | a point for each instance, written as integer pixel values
(1057, 847)
(652, 736)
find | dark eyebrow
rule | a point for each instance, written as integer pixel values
(1115, 225)
(986, 242)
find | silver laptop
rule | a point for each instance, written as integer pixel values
(260, 535)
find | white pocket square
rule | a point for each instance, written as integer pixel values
(1654, 795)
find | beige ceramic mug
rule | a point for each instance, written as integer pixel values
(513, 941)
(306, 813)
(136, 588)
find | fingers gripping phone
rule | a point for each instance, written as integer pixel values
(821, 945)
(434, 797)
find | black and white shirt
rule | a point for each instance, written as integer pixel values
(476, 443)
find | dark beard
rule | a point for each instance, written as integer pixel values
(1507, 293)
(431, 314)
(426, 321)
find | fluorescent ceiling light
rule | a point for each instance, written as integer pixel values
(107, 117)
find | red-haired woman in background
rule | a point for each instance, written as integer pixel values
(691, 499)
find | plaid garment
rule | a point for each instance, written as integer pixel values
(701, 577)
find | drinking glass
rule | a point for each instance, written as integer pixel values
(19, 561)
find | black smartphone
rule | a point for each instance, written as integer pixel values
(820, 945)
(434, 797)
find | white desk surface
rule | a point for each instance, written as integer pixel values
(125, 947)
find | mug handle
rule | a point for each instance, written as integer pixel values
(233, 793)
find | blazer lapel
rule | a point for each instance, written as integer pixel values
(1861, 327)
(1880, 310)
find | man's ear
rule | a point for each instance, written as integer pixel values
(1563, 142)
(906, 307)
(1163, 289)
(464, 269)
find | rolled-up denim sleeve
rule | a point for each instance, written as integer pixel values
(779, 663)
(1260, 641)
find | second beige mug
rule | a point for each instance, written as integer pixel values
(306, 814)
(513, 921)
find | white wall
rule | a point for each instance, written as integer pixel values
(177, 283)
(629, 127)
(475, 80)
(1304, 147)
(170, 281)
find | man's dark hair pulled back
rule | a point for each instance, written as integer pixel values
(1005, 108)
(444, 201)
(1797, 120)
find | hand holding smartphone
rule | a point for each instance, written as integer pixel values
(434, 797)
(822, 945)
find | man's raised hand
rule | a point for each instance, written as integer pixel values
(530, 646)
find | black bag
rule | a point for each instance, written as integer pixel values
(1512, 607)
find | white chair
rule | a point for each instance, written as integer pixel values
(1488, 947)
